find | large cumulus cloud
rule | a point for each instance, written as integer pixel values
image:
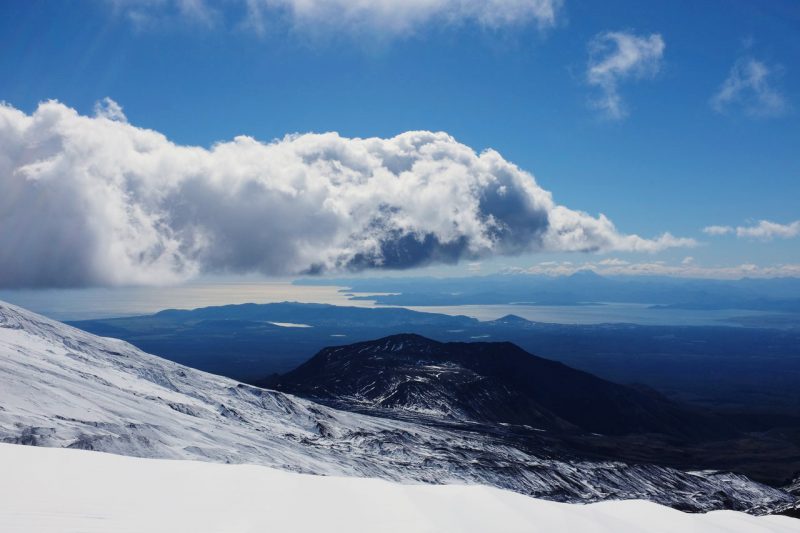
(97, 201)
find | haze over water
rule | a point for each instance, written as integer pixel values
(606, 313)
(74, 304)
(79, 304)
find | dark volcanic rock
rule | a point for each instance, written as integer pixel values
(487, 382)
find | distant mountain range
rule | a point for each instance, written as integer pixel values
(778, 295)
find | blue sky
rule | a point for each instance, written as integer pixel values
(678, 157)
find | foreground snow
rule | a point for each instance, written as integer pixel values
(61, 387)
(56, 490)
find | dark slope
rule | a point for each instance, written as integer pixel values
(487, 382)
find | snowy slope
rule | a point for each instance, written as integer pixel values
(47, 490)
(61, 387)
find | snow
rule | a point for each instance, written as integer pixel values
(45, 490)
(64, 388)
(290, 325)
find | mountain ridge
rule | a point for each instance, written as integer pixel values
(495, 382)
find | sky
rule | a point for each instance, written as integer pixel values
(145, 141)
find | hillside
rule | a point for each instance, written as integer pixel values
(62, 387)
(488, 382)
(52, 491)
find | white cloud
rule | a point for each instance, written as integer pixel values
(576, 231)
(766, 230)
(750, 88)
(717, 230)
(660, 268)
(613, 261)
(688, 260)
(384, 17)
(92, 201)
(108, 108)
(152, 13)
(619, 56)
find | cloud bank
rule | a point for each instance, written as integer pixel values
(615, 57)
(717, 230)
(764, 230)
(750, 88)
(767, 230)
(387, 17)
(685, 269)
(98, 201)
